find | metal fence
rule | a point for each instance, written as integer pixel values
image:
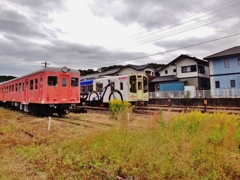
(221, 93)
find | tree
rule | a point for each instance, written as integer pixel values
(156, 65)
(6, 78)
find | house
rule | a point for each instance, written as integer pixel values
(225, 69)
(183, 71)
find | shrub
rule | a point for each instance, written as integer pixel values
(119, 108)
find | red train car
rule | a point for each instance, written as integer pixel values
(46, 91)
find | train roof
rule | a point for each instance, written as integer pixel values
(86, 82)
(46, 69)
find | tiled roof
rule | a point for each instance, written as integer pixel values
(97, 75)
(226, 53)
(113, 71)
(200, 61)
(164, 79)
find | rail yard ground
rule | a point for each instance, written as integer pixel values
(164, 145)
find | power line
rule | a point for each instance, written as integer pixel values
(159, 53)
(176, 31)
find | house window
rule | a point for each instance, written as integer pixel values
(174, 70)
(166, 71)
(201, 69)
(226, 63)
(186, 69)
(148, 73)
(217, 84)
(232, 82)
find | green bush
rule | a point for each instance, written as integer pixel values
(118, 108)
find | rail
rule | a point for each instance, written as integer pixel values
(221, 93)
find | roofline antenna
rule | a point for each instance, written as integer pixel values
(45, 64)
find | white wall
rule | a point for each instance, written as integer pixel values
(170, 71)
(185, 62)
(129, 70)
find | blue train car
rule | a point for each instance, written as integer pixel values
(86, 86)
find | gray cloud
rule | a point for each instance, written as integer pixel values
(149, 14)
(22, 29)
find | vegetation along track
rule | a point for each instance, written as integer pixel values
(151, 109)
(84, 123)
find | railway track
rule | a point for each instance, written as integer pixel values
(84, 123)
(150, 109)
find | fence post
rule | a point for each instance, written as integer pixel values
(49, 123)
(205, 104)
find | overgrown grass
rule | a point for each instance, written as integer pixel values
(119, 109)
(188, 146)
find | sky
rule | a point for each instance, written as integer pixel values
(88, 34)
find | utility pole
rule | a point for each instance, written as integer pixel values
(45, 64)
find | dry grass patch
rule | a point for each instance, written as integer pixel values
(161, 146)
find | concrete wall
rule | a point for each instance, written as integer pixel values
(223, 102)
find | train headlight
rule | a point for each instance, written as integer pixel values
(64, 69)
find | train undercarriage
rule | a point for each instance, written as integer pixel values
(39, 109)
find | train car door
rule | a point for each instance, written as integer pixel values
(64, 88)
(26, 92)
(40, 92)
(3, 93)
(139, 87)
(132, 88)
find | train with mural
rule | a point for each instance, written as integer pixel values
(132, 88)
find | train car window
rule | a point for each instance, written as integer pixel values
(22, 86)
(31, 84)
(64, 82)
(90, 88)
(16, 87)
(9, 88)
(12, 88)
(112, 86)
(145, 84)
(74, 82)
(99, 87)
(40, 82)
(52, 80)
(133, 84)
(139, 85)
(36, 83)
(83, 89)
(121, 85)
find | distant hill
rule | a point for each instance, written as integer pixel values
(6, 78)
